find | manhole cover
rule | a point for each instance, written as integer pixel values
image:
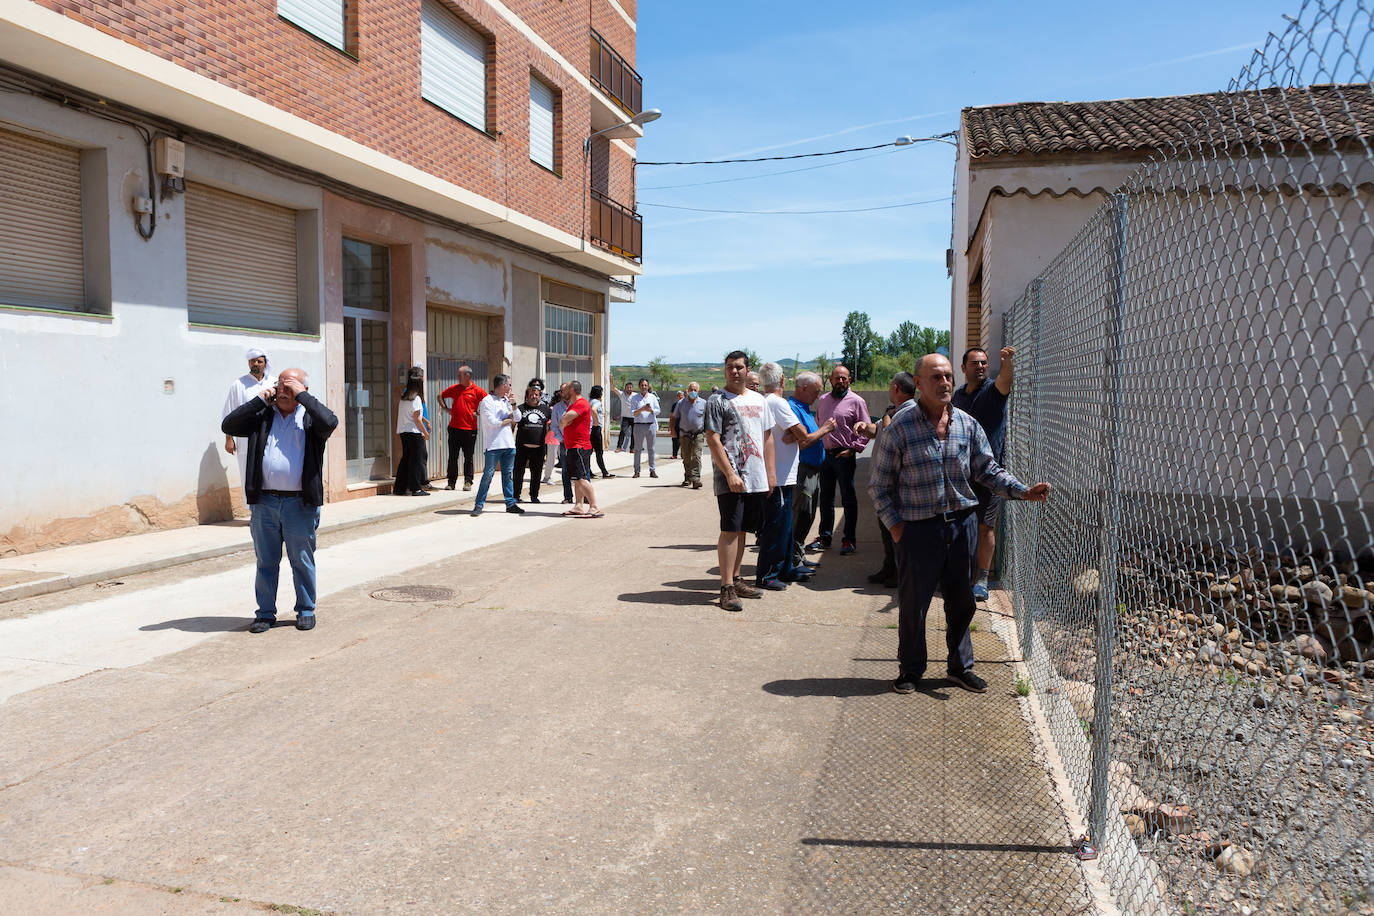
(413, 593)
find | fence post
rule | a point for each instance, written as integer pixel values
(1031, 601)
(1110, 529)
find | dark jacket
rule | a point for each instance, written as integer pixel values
(254, 420)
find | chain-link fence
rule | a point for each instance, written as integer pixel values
(1194, 603)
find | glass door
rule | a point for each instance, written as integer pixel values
(367, 360)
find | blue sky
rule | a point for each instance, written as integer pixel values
(748, 78)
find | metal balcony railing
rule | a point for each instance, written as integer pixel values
(612, 73)
(617, 227)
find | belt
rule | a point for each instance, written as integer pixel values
(282, 492)
(689, 432)
(956, 516)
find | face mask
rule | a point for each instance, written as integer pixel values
(692, 395)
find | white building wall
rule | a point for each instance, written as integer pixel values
(115, 417)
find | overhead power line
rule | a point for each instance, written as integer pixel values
(900, 141)
(914, 203)
(805, 168)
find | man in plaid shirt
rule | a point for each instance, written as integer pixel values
(921, 484)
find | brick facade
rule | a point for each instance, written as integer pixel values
(372, 94)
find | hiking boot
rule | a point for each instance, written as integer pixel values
(729, 599)
(745, 590)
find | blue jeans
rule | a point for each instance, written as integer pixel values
(775, 537)
(277, 520)
(505, 457)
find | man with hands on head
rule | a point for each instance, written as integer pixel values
(286, 428)
(922, 488)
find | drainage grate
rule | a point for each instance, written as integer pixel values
(413, 593)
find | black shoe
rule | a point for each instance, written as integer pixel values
(535, 500)
(653, 473)
(475, 512)
(906, 683)
(260, 626)
(818, 544)
(881, 575)
(969, 681)
(773, 585)
(305, 622)
(420, 493)
(796, 577)
(607, 476)
(811, 564)
(515, 510)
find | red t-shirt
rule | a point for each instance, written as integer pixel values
(465, 401)
(578, 433)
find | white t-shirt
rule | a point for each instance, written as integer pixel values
(492, 414)
(784, 454)
(740, 420)
(405, 415)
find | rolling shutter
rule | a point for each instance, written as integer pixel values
(541, 124)
(453, 64)
(41, 252)
(321, 18)
(240, 261)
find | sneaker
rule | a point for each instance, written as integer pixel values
(449, 487)
(980, 592)
(881, 575)
(515, 510)
(969, 681)
(810, 564)
(467, 485)
(906, 683)
(796, 577)
(305, 622)
(773, 585)
(420, 493)
(260, 626)
(607, 476)
(745, 590)
(846, 547)
(818, 544)
(729, 599)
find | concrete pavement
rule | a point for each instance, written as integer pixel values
(577, 728)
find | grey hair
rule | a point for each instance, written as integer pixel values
(770, 376)
(807, 378)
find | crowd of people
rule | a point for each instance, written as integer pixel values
(936, 481)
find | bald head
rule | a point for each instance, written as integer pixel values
(935, 382)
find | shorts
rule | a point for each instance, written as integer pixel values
(741, 511)
(579, 464)
(989, 506)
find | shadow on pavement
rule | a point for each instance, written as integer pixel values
(680, 598)
(203, 624)
(920, 844)
(829, 687)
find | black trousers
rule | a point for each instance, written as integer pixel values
(460, 440)
(532, 458)
(411, 475)
(934, 553)
(838, 470)
(676, 444)
(598, 448)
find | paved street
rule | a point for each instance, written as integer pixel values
(577, 729)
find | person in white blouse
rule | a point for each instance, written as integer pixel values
(411, 475)
(241, 391)
(497, 418)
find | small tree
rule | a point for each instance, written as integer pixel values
(662, 373)
(824, 364)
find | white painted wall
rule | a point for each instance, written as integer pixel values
(90, 424)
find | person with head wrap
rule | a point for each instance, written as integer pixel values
(241, 391)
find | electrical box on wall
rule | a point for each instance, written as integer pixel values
(170, 156)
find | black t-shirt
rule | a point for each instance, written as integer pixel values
(533, 425)
(988, 406)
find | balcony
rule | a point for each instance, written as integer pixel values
(616, 227)
(613, 75)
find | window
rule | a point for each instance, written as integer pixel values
(569, 336)
(240, 261)
(41, 245)
(366, 276)
(543, 124)
(453, 64)
(322, 18)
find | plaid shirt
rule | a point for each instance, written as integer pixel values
(916, 476)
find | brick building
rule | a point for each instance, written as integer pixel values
(354, 187)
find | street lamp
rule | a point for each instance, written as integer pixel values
(623, 131)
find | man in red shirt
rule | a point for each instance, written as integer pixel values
(462, 424)
(577, 440)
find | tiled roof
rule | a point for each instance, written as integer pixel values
(1266, 116)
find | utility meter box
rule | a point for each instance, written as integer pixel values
(170, 156)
